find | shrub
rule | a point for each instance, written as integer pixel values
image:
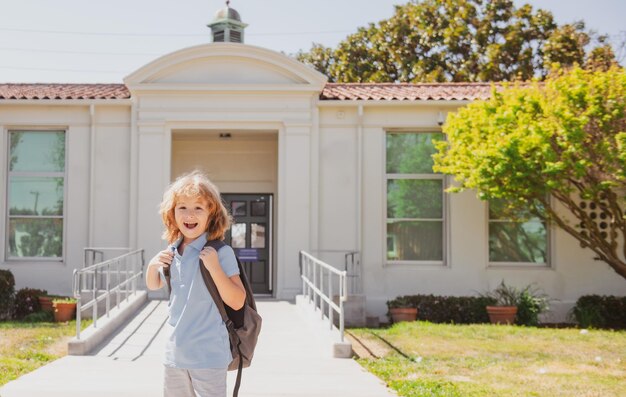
(447, 309)
(401, 301)
(39, 317)
(7, 294)
(600, 311)
(27, 302)
(531, 303)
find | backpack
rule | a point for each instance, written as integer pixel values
(243, 325)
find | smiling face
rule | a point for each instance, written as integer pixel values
(192, 217)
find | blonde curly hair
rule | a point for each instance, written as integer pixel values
(194, 184)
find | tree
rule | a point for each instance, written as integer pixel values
(542, 145)
(453, 40)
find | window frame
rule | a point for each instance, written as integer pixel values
(521, 265)
(52, 174)
(444, 201)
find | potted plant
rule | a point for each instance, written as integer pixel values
(402, 309)
(45, 301)
(504, 309)
(64, 309)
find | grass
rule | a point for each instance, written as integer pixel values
(25, 347)
(488, 360)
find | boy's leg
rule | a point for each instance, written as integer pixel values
(209, 382)
(177, 383)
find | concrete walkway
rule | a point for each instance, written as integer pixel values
(293, 358)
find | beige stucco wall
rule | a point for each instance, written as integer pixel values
(105, 221)
(466, 271)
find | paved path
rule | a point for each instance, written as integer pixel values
(293, 358)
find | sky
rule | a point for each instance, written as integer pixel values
(86, 41)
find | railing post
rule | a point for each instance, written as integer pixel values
(341, 300)
(126, 278)
(76, 292)
(94, 297)
(301, 263)
(314, 283)
(117, 291)
(330, 295)
(108, 297)
(321, 288)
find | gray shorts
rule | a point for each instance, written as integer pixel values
(208, 382)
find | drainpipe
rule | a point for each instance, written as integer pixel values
(92, 172)
(359, 199)
(133, 188)
(315, 178)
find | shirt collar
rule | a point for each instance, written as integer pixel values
(198, 243)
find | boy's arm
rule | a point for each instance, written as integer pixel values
(153, 279)
(231, 289)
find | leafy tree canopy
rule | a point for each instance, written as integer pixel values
(536, 146)
(458, 40)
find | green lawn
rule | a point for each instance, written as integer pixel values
(488, 360)
(25, 347)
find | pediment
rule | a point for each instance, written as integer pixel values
(219, 64)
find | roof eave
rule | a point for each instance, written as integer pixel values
(404, 102)
(66, 102)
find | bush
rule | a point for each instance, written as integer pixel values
(27, 302)
(7, 294)
(401, 301)
(39, 317)
(447, 309)
(531, 303)
(600, 311)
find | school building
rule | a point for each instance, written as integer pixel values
(342, 171)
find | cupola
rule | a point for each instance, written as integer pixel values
(227, 26)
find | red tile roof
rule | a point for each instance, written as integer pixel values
(63, 91)
(332, 91)
(406, 92)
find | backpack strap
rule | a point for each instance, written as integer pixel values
(210, 284)
(223, 308)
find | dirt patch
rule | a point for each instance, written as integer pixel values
(59, 347)
(368, 346)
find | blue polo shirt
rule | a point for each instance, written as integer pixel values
(197, 336)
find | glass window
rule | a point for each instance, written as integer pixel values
(238, 235)
(415, 212)
(519, 241)
(238, 208)
(36, 185)
(257, 208)
(257, 235)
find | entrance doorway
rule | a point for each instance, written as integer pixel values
(250, 235)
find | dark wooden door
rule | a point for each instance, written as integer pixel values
(250, 235)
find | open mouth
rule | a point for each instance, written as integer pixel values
(190, 225)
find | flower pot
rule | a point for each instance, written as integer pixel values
(45, 302)
(403, 314)
(502, 314)
(64, 311)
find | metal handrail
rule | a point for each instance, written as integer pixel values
(97, 280)
(312, 273)
(352, 264)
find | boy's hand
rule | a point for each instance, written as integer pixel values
(209, 257)
(163, 258)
